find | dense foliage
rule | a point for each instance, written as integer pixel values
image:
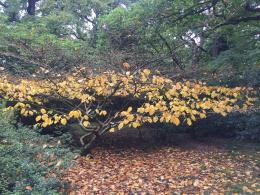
(189, 35)
(28, 160)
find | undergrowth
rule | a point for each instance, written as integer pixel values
(30, 163)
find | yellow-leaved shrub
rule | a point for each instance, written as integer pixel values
(111, 101)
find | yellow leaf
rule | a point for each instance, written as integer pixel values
(124, 113)
(175, 120)
(246, 189)
(150, 109)
(167, 117)
(130, 117)
(20, 104)
(63, 121)
(56, 119)
(155, 119)
(86, 123)
(86, 117)
(77, 114)
(43, 111)
(161, 119)
(143, 79)
(245, 107)
(116, 115)
(215, 109)
(178, 85)
(126, 121)
(71, 114)
(236, 107)
(23, 111)
(136, 124)
(44, 124)
(146, 72)
(193, 118)
(112, 130)
(129, 109)
(49, 121)
(103, 113)
(29, 98)
(223, 114)
(150, 120)
(189, 122)
(214, 94)
(140, 110)
(44, 117)
(26, 113)
(38, 118)
(202, 115)
(120, 126)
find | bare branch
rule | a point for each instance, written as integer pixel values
(173, 56)
(3, 4)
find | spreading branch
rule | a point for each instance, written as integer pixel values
(235, 21)
(3, 4)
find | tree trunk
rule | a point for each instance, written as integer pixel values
(31, 7)
(13, 17)
(220, 44)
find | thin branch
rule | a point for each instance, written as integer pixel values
(173, 56)
(191, 11)
(3, 5)
(91, 21)
(235, 21)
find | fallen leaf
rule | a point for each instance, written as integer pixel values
(28, 188)
(196, 182)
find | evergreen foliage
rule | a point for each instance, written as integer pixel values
(30, 163)
(182, 34)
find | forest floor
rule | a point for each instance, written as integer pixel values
(123, 164)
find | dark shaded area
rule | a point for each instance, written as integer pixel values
(236, 126)
(240, 127)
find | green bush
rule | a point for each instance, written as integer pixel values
(29, 162)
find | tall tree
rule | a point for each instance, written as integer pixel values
(31, 7)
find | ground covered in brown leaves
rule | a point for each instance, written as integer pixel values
(131, 166)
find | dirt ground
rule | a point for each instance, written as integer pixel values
(126, 164)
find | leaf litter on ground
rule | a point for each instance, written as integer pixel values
(187, 167)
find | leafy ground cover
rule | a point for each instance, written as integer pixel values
(123, 164)
(30, 162)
